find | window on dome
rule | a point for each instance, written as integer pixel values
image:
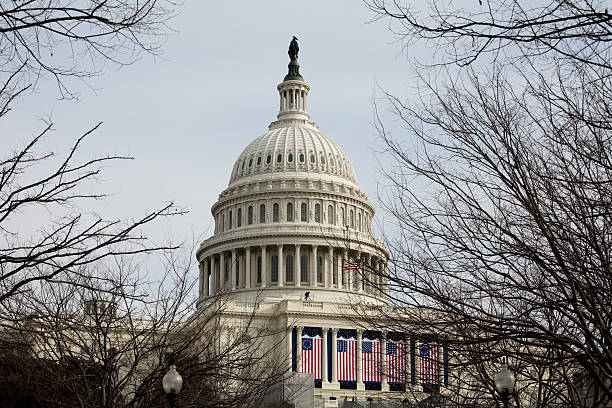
(352, 219)
(251, 162)
(342, 218)
(312, 158)
(275, 213)
(304, 268)
(279, 158)
(330, 214)
(239, 218)
(269, 159)
(222, 222)
(290, 157)
(230, 219)
(262, 213)
(319, 269)
(259, 161)
(274, 271)
(339, 164)
(331, 161)
(226, 277)
(301, 157)
(243, 163)
(237, 282)
(290, 212)
(317, 212)
(289, 268)
(259, 269)
(250, 215)
(304, 212)
(322, 159)
(359, 221)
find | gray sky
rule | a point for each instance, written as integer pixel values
(186, 117)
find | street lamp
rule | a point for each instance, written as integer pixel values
(172, 383)
(504, 382)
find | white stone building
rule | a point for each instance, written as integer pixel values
(291, 217)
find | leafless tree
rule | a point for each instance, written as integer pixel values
(500, 193)
(64, 39)
(108, 342)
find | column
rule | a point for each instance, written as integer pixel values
(368, 274)
(247, 268)
(213, 272)
(360, 385)
(264, 280)
(383, 277)
(324, 356)
(305, 101)
(383, 360)
(359, 274)
(296, 267)
(281, 101)
(313, 268)
(339, 271)
(281, 270)
(205, 276)
(232, 284)
(222, 270)
(334, 355)
(298, 350)
(329, 275)
(201, 280)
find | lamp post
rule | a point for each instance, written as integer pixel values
(504, 383)
(172, 383)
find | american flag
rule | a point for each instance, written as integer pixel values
(346, 353)
(370, 360)
(348, 266)
(311, 352)
(429, 354)
(396, 361)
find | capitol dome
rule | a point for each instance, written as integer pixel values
(292, 220)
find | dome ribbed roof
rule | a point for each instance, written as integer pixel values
(293, 151)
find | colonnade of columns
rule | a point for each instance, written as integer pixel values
(266, 265)
(293, 99)
(334, 353)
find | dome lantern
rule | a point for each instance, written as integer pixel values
(293, 91)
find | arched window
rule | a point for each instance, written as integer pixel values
(304, 268)
(304, 212)
(312, 158)
(330, 214)
(262, 213)
(359, 220)
(226, 271)
(317, 212)
(290, 212)
(352, 219)
(342, 218)
(279, 158)
(289, 268)
(301, 157)
(239, 218)
(251, 162)
(259, 160)
(274, 272)
(250, 215)
(259, 269)
(275, 213)
(230, 219)
(290, 157)
(222, 222)
(319, 269)
(322, 159)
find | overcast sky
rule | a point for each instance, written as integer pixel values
(186, 117)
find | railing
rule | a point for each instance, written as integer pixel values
(313, 305)
(246, 304)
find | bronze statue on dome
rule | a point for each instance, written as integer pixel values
(293, 49)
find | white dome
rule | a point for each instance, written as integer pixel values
(295, 152)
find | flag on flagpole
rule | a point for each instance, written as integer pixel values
(346, 357)
(311, 351)
(349, 266)
(396, 361)
(429, 356)
(370, 360)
